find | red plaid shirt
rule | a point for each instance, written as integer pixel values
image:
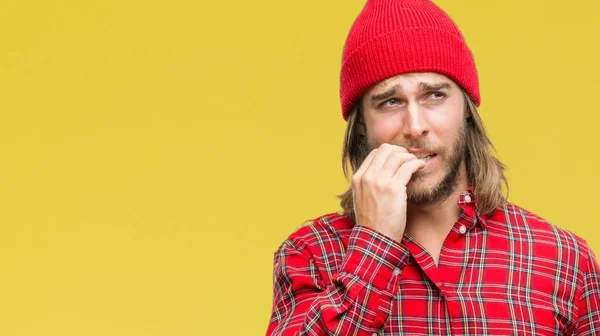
(511, 273)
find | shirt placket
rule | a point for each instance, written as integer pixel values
(425, 262)
(454, 319)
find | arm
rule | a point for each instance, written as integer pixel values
(357, 299)
(588, 322)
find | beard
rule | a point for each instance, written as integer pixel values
(452, 157)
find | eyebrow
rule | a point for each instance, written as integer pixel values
(433, 87)
(386, 94)
(398, 88)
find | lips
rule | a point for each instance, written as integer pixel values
(422, 154)
(426, 157)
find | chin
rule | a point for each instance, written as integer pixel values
(423, 183)
(425, 190)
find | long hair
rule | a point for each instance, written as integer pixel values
(485, 172)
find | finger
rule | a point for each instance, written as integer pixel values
(400, 148)
(381, 156)
(406, 171)
(356, 185)
(393, 163)
(366, 163)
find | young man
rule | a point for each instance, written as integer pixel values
(426, 244)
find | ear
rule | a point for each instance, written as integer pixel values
(468, 118)
(468, 112)
(360, 122)
(361, 129)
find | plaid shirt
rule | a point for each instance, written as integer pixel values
(511, 273)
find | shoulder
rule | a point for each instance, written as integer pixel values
(323, 239)
(325, 229)
(320, 243)
(523, 225)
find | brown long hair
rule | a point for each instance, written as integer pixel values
(485, 172)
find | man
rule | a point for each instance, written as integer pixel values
(427, 243)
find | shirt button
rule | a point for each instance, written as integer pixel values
(374, 334)
(462, 229)
(396, 271)
(468, 198)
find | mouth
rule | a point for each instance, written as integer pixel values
(426, 157)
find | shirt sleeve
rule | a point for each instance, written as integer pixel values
(589, 301)
(356, 301)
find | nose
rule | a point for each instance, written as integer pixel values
(415, 122)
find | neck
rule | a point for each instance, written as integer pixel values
(436, 220)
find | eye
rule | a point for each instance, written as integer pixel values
(391, 102)
(437, 95)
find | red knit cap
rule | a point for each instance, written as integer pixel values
(391, 37)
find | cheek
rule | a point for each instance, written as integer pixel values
(382, 132)
(446, 128)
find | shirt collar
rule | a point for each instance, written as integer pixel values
(468, 202)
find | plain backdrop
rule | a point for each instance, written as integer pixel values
(154, 154)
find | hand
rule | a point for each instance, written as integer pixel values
(379, 189)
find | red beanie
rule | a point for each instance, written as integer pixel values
(391, 37)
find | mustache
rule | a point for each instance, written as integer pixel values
(423, 144)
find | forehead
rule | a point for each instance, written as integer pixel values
(410, 81)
